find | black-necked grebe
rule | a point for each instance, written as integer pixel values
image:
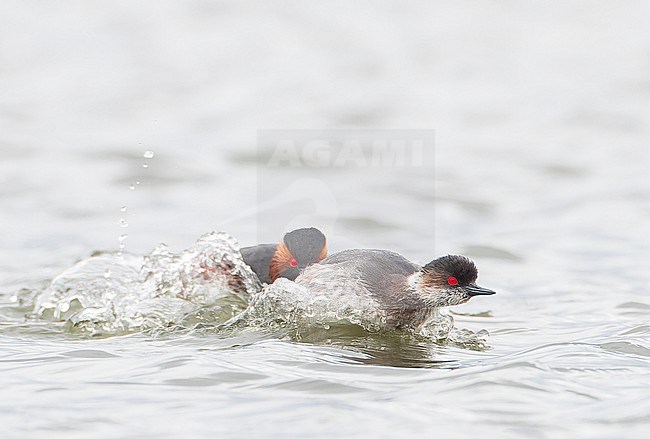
(404, 293)
(298, 249)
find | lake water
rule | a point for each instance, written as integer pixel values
(540, 172)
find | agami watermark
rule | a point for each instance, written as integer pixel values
(347, 148)
(321, 177)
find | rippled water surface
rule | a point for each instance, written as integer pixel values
(541, 118)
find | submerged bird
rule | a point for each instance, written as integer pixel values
(298, 249)
(395, 291)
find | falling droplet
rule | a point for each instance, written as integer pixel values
(145, 166)
(137, 183)
(122, 222)
(132, 187)
(123, 209)
(148, 154)
(121, 240)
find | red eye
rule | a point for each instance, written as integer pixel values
(293, 262)
(452, 280)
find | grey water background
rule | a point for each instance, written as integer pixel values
(541, 113)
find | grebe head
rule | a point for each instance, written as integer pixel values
(449, 280)
(298, 249)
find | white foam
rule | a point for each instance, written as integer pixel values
(142, 293)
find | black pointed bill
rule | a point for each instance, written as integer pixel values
(475, 290)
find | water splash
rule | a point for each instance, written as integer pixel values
(440, 327)
(285, 302)
(287, 305)
(209, 285)
(106, 294)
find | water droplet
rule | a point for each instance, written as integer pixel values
(121, 240)
(137, 183)
(145, 166)
(123, 209)
(148, 154)
(107, 274)
(132, 187)
(122, 222)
